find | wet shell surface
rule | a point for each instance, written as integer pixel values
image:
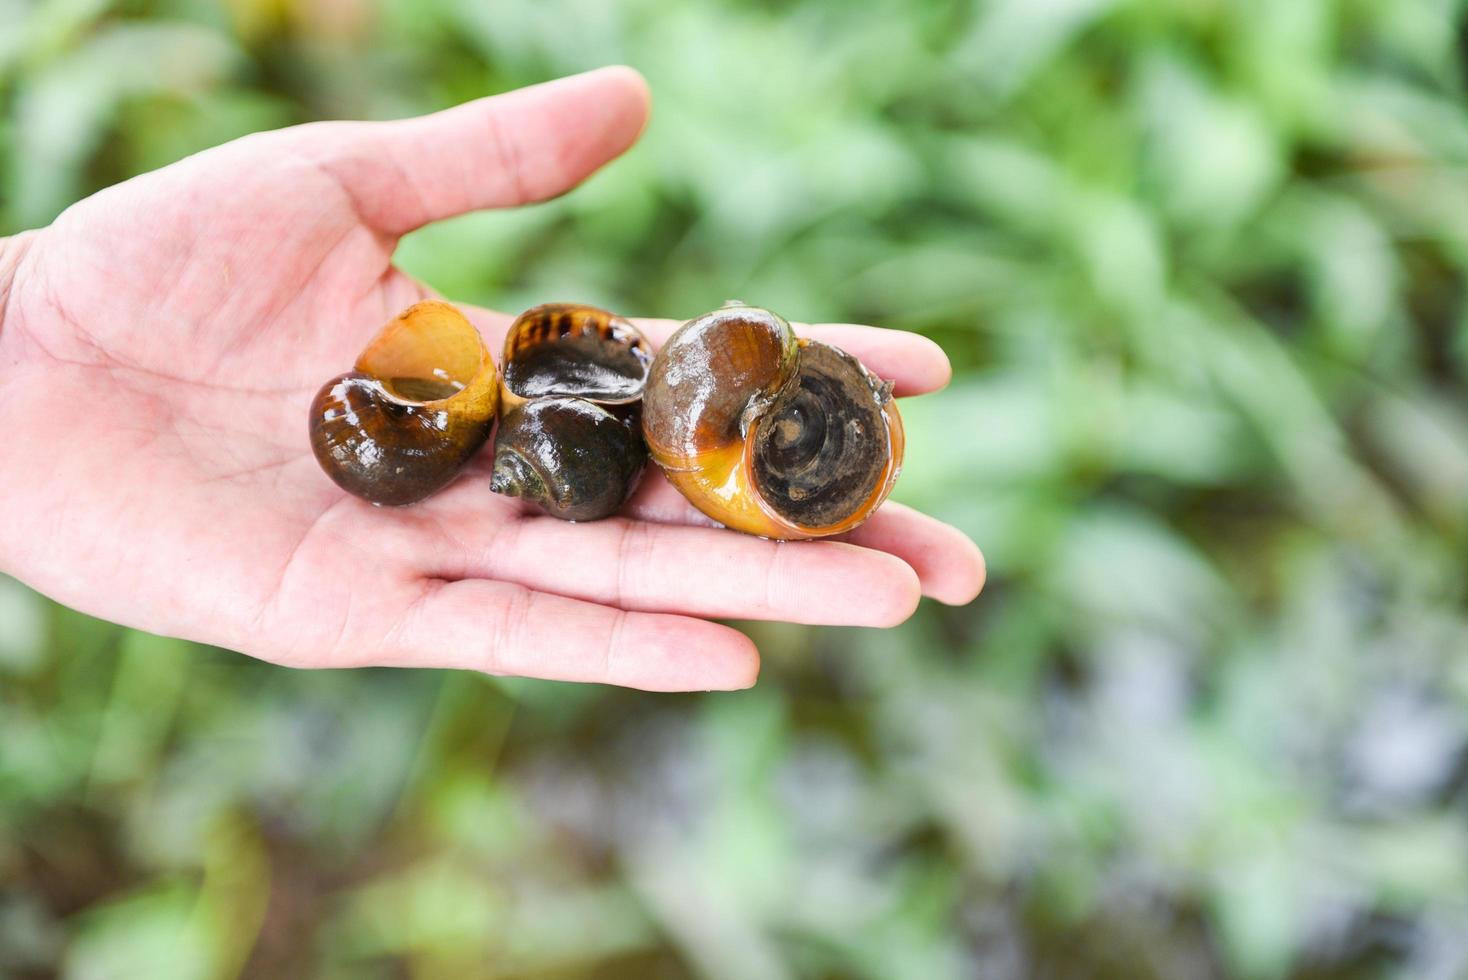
(767, 433)
(570, 435)
(418, 404)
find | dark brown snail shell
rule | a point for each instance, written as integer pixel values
(570, 436)
(419, 403)
(574, 458)
(768, 433)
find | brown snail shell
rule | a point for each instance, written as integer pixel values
(570, 435)
(574, 458)
(419, 403)
(768, 433)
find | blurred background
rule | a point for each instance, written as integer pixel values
(1200, 268)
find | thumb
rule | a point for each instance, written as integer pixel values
(510, 149)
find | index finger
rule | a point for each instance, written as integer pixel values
(914, 364)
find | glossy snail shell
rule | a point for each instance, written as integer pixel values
(768, 433)
(570, 434)
(419, 403)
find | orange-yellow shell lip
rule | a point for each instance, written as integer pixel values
(432, 341)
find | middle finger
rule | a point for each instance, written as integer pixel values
(700, 571)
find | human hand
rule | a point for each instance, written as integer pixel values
(160, 344)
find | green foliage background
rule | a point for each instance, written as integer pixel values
(1200, 267)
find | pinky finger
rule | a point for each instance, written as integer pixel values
(500, 628)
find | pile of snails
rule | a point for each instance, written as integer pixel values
(763, 431)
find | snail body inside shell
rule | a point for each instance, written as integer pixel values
(769, 434)
(570, 437)
(419, 403)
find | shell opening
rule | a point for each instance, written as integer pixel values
(428, 353)
(575, 351)
(823, 451)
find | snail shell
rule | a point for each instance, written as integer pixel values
(570, 434)
(768, 433)
(419, 403)
(574, 458)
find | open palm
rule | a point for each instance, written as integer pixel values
(161, 342)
